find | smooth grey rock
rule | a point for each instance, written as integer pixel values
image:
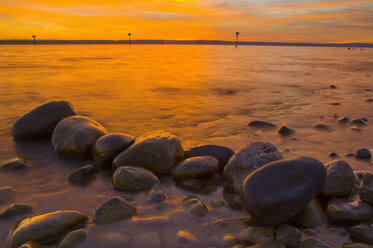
(321, 126)
(250, 158)
(155, 196)
(73, 238)
(112, 210)
(134, 178)
(348, 210)
(196, 167)
(16, 208)
(362, 233)
(278, 191)
(256, 234)
(221, 153)
(5, 193)
(15, 164)
(314, 243)
(195, 206)
(288, 235)
(366, 191)
(269, 244)
(158, 152)
(311, 216)
(110, 145)
(356, 245)
(185, 237)
(285, 130)
(40, 122)
(261, 124)
(83, 174)
(340, 179)
(76, 135)
(146, 239)
(44, 228)
(31, 244)
(363, 153)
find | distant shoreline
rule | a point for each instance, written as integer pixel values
(179, 42)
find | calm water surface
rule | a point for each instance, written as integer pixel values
(202, 94)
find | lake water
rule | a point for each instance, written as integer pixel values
(202, 94)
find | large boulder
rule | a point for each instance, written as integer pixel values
(110, 145)
(250, 158)
(278, 191)
(134, 178)
(156, 151)
(40, 122)
(44, 228)
(221, 153)
(196, 167)
(76, 136)
(340, 179)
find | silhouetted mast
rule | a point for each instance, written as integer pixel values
(237, 34)
(34, 36)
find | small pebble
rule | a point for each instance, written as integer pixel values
(15, 164)
(284, 130)
(344, 120)
(321, 125)
(363, 153)
(333, 86)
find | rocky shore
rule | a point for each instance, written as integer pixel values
(287, 202)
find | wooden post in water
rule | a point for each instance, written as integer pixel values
(34, 36)
(237, 34)
(129, 39)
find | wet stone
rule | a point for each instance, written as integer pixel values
(288, 235)
(333, 155)
(366, 191)
(195, 206)
(256, 234)
(73, 238)
(146, 239)
(230, 240)
(40, 122)
(155, 196)
(216, 204)
(221, 153)
(356, 245)
(311, 216)
(314, 243)
(196, 167)
(339, 231)
(5, 193)
(113, 210)
(247, 160)
(83, 174)
(134, 178)
(76, 135)
(340, 179)
(285, 130)
(261, 124)
(110, 145)
(333, 86)
(355, 128)
(15, 164)
(44, 227)
(362, 233)
(269, 244)
(348, 210)
(321, 126)
(158, 152)
(344, 120)
(16, 208)
(278, 191)
(185, 237)
(363, 153)
(31, 244)
(114, 239)
(369, 100)
(359, 122)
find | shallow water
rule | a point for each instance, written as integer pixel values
(202, 94)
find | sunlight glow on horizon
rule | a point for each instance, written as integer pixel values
(267, 20)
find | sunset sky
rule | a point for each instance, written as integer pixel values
(256, 20)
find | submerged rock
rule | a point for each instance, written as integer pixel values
(117, 239)
(321, 125)
(146, 239)
(44, 228)
(73, 238)
(314, 243)
(250, 158)
(288, 235)
(269, 244)
(340, 179)
(15, 164)
(83, 174)
(362, 233)
(311, 216)
(256, 234)
(76, 135)
(40, 122)
(366, 191)
(363, 153)
(278, 191)
(195, 206)
(134, 178)
(112, 210)
(285, 130)
(261, 124)
(221, 153)
(158, 152)
(356, 245)
(16, 208)
(31, 244)
(5, 193)
(110, 145)
(359, 122)
(348, 210)
(344, 120)
(196, 167)
(185, 237)
(230, 240)
(155, 196)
